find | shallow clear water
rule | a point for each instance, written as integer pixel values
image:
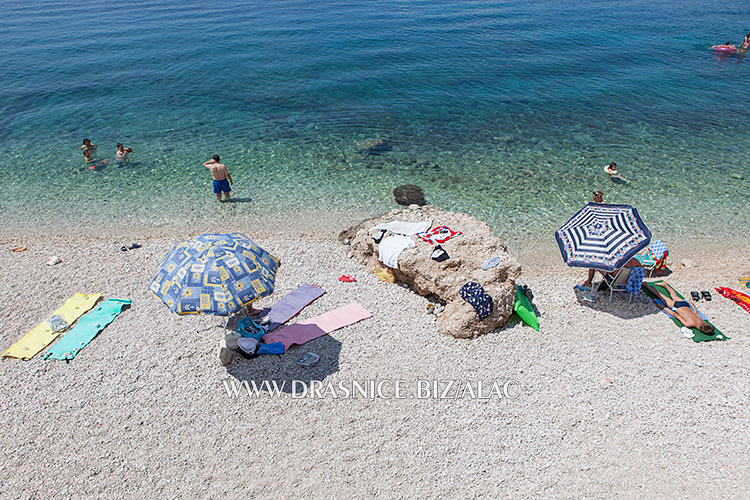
(505, 110)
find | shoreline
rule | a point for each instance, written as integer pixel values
(326, 226)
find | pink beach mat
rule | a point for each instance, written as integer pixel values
(309, 329)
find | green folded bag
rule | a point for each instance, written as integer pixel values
(525, 311)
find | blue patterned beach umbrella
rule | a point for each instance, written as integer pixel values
(602, 236)
(214, 274)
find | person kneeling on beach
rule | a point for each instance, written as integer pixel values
(220, 174)
(680, 308)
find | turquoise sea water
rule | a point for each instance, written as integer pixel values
(507, 110)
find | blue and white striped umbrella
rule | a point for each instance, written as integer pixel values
(602, 236)
(214, 274)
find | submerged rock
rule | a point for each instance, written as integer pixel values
(372, 146)
(444, 280)
(409, 194)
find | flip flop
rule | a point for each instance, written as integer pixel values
(696, 296)
(439, 254)
(582, 288)
(493, 262)
(347, 278)
(589, 298)
(706, 295)
(134, 246)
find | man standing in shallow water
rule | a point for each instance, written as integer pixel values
(220, 175)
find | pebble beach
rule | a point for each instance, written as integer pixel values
(606, 401)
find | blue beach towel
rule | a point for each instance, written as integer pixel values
(273, 348)
(635, 280)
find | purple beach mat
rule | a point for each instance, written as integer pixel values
(291, 304)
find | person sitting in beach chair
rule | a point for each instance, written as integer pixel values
(585, 285)
(625, 279)
(679, 308)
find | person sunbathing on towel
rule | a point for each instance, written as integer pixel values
(680, 309)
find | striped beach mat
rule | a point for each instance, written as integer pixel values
(87, 329)
(49, 329)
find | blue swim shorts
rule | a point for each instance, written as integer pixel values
(221, 186)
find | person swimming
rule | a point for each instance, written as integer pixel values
(744, 44)
(614, 175)
(121, 156)
(724, 46)
(599, 197)
(88, 150)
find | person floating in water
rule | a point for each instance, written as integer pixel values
(121, 156)
(614, 175)
(599, 197)
(89, 150)
(724, 46)
(220, 175)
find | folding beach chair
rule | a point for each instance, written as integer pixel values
(655, 258)
(627, 279)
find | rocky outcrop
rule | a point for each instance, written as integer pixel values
(467, 253)
(372, 146)
(409, 194)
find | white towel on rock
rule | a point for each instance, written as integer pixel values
(405, 228)
(391, 247)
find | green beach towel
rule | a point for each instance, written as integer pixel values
(698, 336)
(87, 328)
(525, 311)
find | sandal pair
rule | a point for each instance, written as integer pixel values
(705, 294)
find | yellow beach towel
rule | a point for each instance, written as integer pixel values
(49, 329)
